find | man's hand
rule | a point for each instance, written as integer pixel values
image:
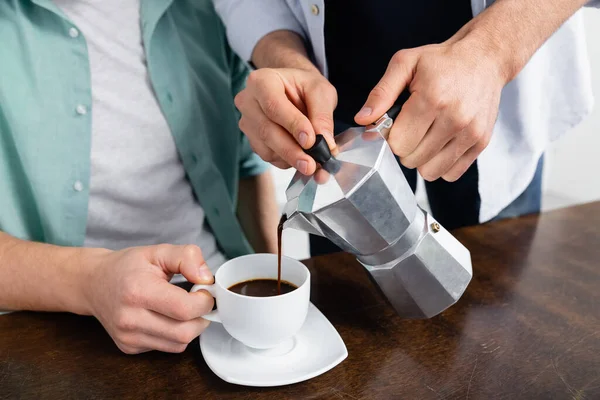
(448, 119)
(282, 110)
(455, 86)
(130, 294)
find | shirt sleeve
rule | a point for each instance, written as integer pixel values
(593, 3)
(247, 21)
(250, 164)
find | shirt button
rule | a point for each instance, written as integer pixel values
(78, 186)
(314, 9)
(81, 109)
(73, 32)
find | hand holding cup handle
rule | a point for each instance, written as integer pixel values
(214, 314)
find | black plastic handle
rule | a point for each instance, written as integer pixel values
(394, 111)
(320, 150)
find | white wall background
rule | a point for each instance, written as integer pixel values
(572, 173)
(572, 164)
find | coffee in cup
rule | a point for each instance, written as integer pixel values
(262, 287)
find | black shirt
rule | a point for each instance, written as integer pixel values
(361, 36)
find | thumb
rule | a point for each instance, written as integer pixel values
(186, 260)
(397, 77)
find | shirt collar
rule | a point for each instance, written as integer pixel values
(150, 11)
(48, 5)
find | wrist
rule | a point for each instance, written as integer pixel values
(43, 277)
(511, 31)
(488, 50)
(87, 263)
(491, 34)
(282, 49)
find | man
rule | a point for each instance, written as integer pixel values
(460, 70)
(121, 162)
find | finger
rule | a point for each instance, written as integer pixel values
(330, 139)
(397, 76)
(320, 104)
(280, 164)
(464, 162)
(322, 176)
(430, 145)
(261, 148)
(250, 126)
(186, 260)
(411, 125)
(283, 144)
(137, 343)
(258, 135)
(442, 161)
(275, 105)
(269, 155)
(160, 326)
(175, 302)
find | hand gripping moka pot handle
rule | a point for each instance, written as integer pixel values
(214, 314)
(322, 154)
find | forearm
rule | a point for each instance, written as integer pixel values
(258, 212)
(42, 277)
(513, 30)
(282, 49)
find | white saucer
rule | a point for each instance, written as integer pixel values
(316, 349)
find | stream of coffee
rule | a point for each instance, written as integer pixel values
(279, 232)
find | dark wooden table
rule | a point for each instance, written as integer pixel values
(528, 327)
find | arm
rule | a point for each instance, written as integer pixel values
(37, 276)
(515, 29)
(247, 21)
(128, 291)
(286, 103)
(258, 212)
(455, 86)
(282, 49)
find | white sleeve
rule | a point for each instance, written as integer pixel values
(247, 21)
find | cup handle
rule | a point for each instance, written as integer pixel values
(214, 314)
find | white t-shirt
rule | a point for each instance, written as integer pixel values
(139, 192)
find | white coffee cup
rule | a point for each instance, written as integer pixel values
(260, 322)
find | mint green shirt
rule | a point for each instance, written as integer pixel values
(45, 138)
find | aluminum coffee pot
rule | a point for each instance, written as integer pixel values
(367, 208)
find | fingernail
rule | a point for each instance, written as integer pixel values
(204, 273)
(364, 112)
(302, 166)
(303, 139)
